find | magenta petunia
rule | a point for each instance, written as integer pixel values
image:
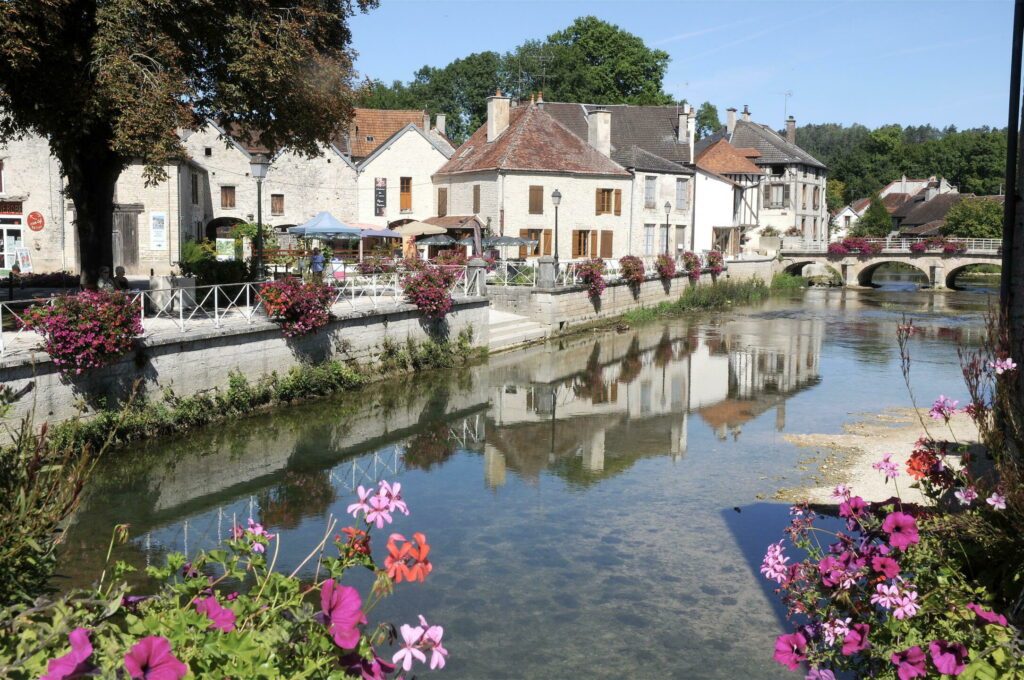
(375, 669)
(343, 611)
(151, 658)
(949, 658)
(76, 662)
(855, 507)
(986, 615)
(910, 663)
(902, 530)
(857, 639)
(886, 566)
(790, 650)
(220, 617)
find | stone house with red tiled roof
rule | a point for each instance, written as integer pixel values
(897, 197)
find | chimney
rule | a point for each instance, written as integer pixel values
(540, 99)
(440, 124)
(599, 130)
(426, 122)
(497, 115)
(746, 113)
(730, 119)
(684, 122)
(791, 130)
(903, 184)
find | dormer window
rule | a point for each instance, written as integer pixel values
(369, 138)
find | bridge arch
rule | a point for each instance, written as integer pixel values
(952, 274)
(796, 267)
(865, 275)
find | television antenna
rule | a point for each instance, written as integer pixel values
(785, 106)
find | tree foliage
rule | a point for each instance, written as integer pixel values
(589, 61)
(975, 218)
(707, 121)
(875, 221)
(110, 81)
(834, 190)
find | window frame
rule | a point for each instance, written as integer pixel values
(650, 192)
(272, 207)
(233, 190)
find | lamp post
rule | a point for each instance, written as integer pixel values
(556, 198)
(258, 165)
(668, 209)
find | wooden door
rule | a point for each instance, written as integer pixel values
(126, 241)
(606, 244)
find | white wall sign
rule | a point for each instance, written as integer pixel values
(158, 230)
(24, 258)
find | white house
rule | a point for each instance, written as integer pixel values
(735, 210)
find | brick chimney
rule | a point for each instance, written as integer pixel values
(791, 130)
(746, 113)
(599, 130)
(439, 125)
(497, 115)
(730, 119)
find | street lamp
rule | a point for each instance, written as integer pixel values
(668, 209)
(258, 165)
(556, 198)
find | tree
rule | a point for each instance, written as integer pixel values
(974, 217)
(834, 189)
(707, 121)
(875, 221)
(110, 81)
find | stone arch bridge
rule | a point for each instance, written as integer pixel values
(858, 269)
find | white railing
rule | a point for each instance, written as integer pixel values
(507, 273)
(981, 246)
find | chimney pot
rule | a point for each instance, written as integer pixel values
(730, 119)
(746, 113)
(497, 115)
(791, 130)
(441, 123)
(599, 130)
(426, 122)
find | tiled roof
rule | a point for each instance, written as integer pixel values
(655, 129)
(927, 229)
(748, 151)
(860, 205)
(923, 212)
(372, 127)
(723, 158)
(638, 159)
(773, 148)
(534, 141)
(249, 139)
(892, 202)
(455, 221)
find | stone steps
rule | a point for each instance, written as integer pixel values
(509, 330)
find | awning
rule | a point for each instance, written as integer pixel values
(436, 240)
(380, 233)
(324, 225)
(419, 229)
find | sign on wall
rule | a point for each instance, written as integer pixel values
(36, 221)
(158, 231)
(380, 196)
(24, 258)
(225, 249)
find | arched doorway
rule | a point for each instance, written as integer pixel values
(220, 227)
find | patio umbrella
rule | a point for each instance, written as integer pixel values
(419, 229)
(468, 241)
(502, 241)
(436, 240)
(324, 225)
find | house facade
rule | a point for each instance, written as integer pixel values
(727, 214)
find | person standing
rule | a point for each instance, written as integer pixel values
(316, 266)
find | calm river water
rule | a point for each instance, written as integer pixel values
(597, 506)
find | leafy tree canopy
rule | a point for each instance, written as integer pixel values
(975, 217)
(834, 189)
(707, 120)
(875, 221)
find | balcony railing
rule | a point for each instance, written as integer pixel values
(981, 246)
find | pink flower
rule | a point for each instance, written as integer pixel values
(393, 492)
(1001, 366)
(856, 639)
(342, 610)
(986, 615)
(841, 493)
(431, 641)
(380, 512)
(910, 663)
(410, 650)
(966, 495)
(221, 618)
(885, 596)
(997, 501)
(362, 504)
(943, 408)
(949, 657)
(890, 469)
(902, 530)
(76, 662)
(907, 606)
(886, 566)
(835, 630)
(151, 658)
(790, 650)
(853, 508)
(774, 564)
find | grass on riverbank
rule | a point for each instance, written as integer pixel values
(141, 419)
(719, 295)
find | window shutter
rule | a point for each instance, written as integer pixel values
(597, 202)
(606, 244)
(536, 200)
(593, 243)
(523, 233)
(618, 201)
(575, 243)
(476, 199)
(785, 196)
(546, 242)
(767, 195)
(442, 202)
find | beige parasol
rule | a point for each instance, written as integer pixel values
(419, 229)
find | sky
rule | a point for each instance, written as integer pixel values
(843, 61)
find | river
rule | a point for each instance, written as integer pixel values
(597, 506)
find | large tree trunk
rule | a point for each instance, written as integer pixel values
(92, 170)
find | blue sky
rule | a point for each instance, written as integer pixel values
(911, 62)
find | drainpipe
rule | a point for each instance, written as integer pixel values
(693, 214)
(629, 231)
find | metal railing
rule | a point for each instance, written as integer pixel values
(896, 245)
(507, 273)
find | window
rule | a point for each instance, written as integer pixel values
(817, 197)
(803, 197)
(476, 199)
(405, 204)
(536, 200)
(608, 201)
(227, 197)
(776, 195)
(530, 235)
(803, 226)
(195, 188)
(580, 243)
(207, 151)
(778, 170)
(276, 204)
(442, 202)
(648, 239)
(663, 241)
(369, 138)
(650, 190)
(682, 194)
(846, 221)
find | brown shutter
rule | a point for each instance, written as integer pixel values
(576, 251)
(546, 242)
(606, 244)
(785, 196)
(476, 199)
(618, 201)
(442, 202)
(523, 233)
(597, 202)
(593, 243)
(536, 200)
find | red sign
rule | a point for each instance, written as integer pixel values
(36, 221)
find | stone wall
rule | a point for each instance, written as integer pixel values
(201, 360)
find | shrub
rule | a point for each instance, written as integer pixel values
(414, 264)
(228, 613)
(918, 247)
(451, 257)
(430, 290)
(300, 307)
(50, 280)
(376, 264)
(86, 330)
(691, 262)
(666, 266)
(837, 249)
(715, 262)
(200, 260)
(631, 269)
(591, 273)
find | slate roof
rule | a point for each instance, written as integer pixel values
(534, 141)
(921, 211)
(772, 146)
(638, 159)
(654, 129)
(723, 158)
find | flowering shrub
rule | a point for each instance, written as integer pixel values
(414, 264)
(48, 280)
(631, 269)
(86, 330)
(691, 262)
(953, 248)
(862, 246)
(430, 290)
(837, 249)
(918, 247)
(277, 625)
(715, 262)
(591, 273)
(376, 265)
(451, 257)
(666, 266)
(300, 307)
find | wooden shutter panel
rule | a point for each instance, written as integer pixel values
(618, 201)
(606, 244)
(576, 243)
(546, 241)
(593, 243)
(476, 199)
(523, 233)
(785, 196)
(442, 202)
(597, 201)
